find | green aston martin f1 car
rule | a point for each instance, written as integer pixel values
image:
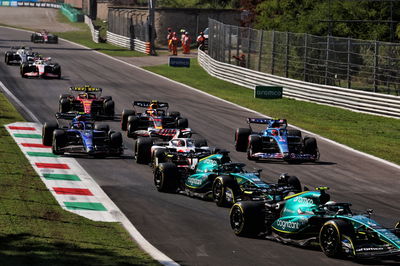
(310, 217)
(216, 177)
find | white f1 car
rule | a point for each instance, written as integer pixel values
(42, 68)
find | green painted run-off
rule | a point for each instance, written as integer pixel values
(85, 206)
(61, 177)
(28, 136)
(41, 154)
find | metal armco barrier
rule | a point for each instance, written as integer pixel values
(29, 4)
(355, 100)
(133, 44)
(95, 33)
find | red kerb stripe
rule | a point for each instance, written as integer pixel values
(73, 191)
(52, 165)
(34, 145)
(21, 128)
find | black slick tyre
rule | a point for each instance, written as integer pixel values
(124, 118)
(331, 235)
(182, 123)
(109, 108)
(223, 185)
(247, 218)
(255, 145)
(143, 150)
(47, 133)
(310, 146)
(241, 139)
(165, 177)
(102, 127)
(294, 132)
(58, 141)
(64, 105)
(200, 143)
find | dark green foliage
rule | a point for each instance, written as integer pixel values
(307, 16)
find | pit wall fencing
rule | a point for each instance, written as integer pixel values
(355, 100)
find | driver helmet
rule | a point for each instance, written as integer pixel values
(180, 143)
(153, 105)
(274, 132)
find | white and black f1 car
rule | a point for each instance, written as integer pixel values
(41, 68)
(44, 37)
(19, 55)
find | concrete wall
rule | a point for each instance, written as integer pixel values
(74, 3)
(102, 10)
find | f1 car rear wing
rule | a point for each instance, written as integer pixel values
(72, 115)
(258, 121)
(86, 89)
(145, 104)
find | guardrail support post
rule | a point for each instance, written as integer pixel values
(273, 53)
(260, 49)
(287, 55)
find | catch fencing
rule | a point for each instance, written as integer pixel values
(93, 30)
(356, 100)
(343, 62)
(127, 30)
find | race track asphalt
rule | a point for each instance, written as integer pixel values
(192, 231)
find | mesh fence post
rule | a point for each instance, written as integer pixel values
(239, 42)
(273, 53)
(260, 50)
(376, 52)
(287, 55)
(305, 57)
(327, 59)
(349, 63)
(248, 47)
(230, 44)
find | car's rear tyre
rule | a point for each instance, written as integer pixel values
(102, 127)
(200, 143)
(116, 139)
(158, 157)
(59, 140)
(174, 114)
(166, 177)
(255, 145)
(109, 108)
(247, 218)
(64, 105)
(47, 133)
(331, 235)
(222, 186)
(133, 125)
(182, 123)
(294, 132)
(241, 139)
(7, 58)
(143, 150)
(124, 118)
(310, 146)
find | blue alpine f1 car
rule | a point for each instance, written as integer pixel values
(311, 217)
(216, 177)
(81, 135)
(275, 142)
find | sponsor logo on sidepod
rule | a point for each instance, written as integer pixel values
(288, 224)
(304, 200)
(194, 181)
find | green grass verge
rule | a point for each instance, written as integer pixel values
(35, 230)
(375, 135)
(84, 37)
